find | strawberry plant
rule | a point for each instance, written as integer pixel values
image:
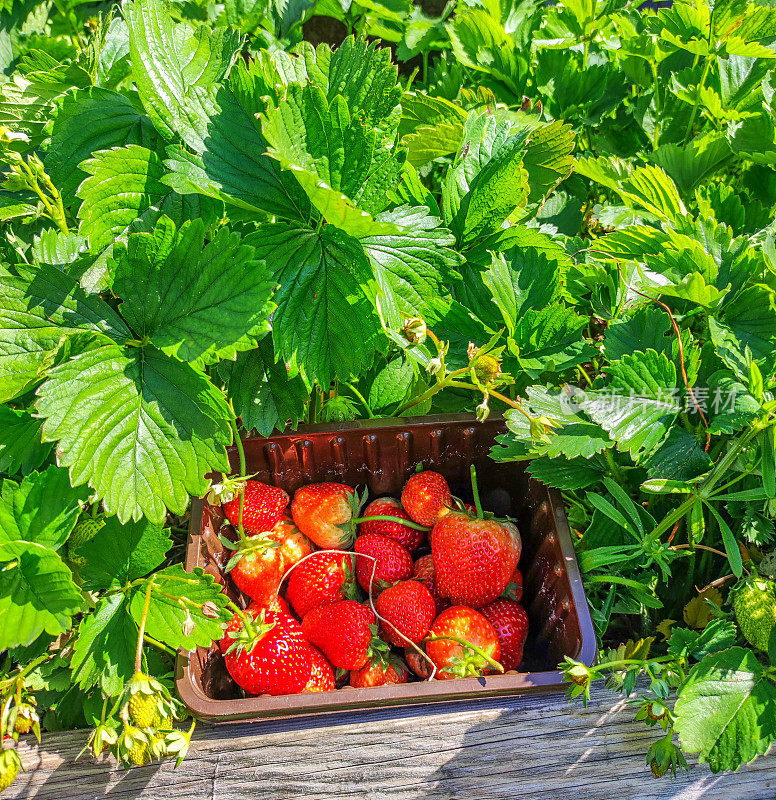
(210, 226)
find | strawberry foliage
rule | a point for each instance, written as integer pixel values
(562, 213)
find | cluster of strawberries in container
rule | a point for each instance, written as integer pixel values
(425, 587)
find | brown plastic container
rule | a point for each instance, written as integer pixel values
(382, 454)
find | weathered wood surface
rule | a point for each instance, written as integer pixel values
(518, 749)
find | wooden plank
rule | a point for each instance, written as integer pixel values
(539, 747)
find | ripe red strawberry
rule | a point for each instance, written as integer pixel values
(322, 675)
(262, 508)
(256, 568)
(379, 672)
(426, 497)
(425, 573)
(394, 563)
(409, 607)
(294, 545)
(474, 558)
(514, 590)
(267, 653)
(510, 622)
(472, 646)
(324, 512)
(403, 534)
(346, 633)
(321, 580)
(417, 663)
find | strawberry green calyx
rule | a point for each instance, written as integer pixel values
(473, 662)
(243, 547)
(173, 743)
(10, 765)
(379, 649)
(227, 489)
(356, 501)
(103, 737)
(253, 629)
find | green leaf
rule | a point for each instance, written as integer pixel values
(325, 323)
(413, 265)
(264, 395)
(640, 403)
(124, 192)
(177, 596)
(486, 182)
(37, 594)
(174, 288)
(521, 279)
(104, 651)
(550, 340)
(646, 328)
(177, 69)
(21, 448)
(751, 318)
(548, 159)
(731, 407)
(726, 710)
(391, 385)
(678, 457)
(90, 120)
(39, 308)
(140, 428)
(122, 553)
(43, 508)
(731, 544)
(337, 159)
(569, 475)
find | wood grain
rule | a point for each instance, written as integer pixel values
(538, 747)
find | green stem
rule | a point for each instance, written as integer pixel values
(241, 453)
(141, 627)
(158, 644)
(613, 467)
(388, 518)
(469, 646)
(361, 398)
(476, 491)
(695, 107)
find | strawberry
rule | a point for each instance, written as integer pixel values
(510, 622)
(256, 568)
(407, 606)
(322, 675)
(754, 603)
(10, 764)
(263, 506)
(403, 534)
(514, 590)
(294, 545)
(266, 653)
(419, 665)
(425, 573)
(393, 564)
(379, 672)
(426, 497)
(321, 580)
(86, 529)
(346, 633)
(462, 643)
(474, 558)
(324, 512)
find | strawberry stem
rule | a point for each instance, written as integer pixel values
(469, 646)
(388, 518)
(141, 627)
(476, 492)
(241, 453)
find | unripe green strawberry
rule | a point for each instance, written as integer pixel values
(143, 709)
(754, 603)
(10, 764)
(138, 754)
(83, 532)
